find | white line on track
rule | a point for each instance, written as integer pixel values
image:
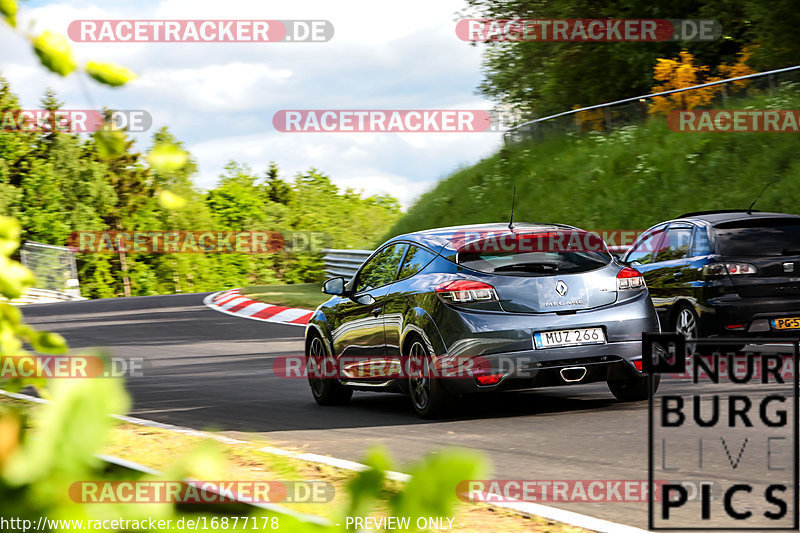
(525, 508)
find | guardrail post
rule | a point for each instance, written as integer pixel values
(607, 113)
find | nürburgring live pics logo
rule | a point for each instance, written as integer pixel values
(734, 433)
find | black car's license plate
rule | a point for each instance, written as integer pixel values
(786, 323)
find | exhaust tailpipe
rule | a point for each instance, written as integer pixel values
(573, 374)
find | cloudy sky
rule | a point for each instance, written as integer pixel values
(219, 98)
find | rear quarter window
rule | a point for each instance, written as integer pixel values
(416, 259)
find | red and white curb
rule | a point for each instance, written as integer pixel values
(233, 303)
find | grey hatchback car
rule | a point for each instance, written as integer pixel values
(472, 309)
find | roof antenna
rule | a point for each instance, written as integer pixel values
(513, 200)
(750, 209)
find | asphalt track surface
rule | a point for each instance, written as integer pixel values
(208, 370)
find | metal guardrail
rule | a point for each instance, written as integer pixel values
(54, 267)
(532, 127)
(344, 263)
(44, 296)
(619, 249)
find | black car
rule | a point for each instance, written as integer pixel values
(723, 273)
(471, 309)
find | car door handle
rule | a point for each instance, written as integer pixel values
(376, 311)
(677, 275)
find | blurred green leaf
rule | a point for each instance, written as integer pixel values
(10, 432)
(8, 8)
(14, 278)
(111, 143)
(109, 73)
(10, 231)
(54, 52)
(166, 156)
(366, 487)
(70, 430)
(170, 201)
(46, 342)
(10, 313)
(434, 480)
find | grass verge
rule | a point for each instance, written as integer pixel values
(303, 295)
(628, 179)
(159, 449)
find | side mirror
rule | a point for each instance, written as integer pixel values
(365, 299)
(334, 286)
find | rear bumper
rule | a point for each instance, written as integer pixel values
(753, 314)
(556, 366)
(471, 334)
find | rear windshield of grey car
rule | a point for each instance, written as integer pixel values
(533, 263)
(771, 237)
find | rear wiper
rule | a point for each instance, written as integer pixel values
(790, 251)
(542, 267)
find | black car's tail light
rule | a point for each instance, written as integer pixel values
(630, 279)
(491, 379)
(466, 291)
(734, 269)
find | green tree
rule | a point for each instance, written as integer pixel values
(133, 186)
(540, 78)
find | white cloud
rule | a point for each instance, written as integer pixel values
(219, 98)
(215, 88)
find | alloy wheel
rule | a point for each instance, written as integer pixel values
(315, 366)
(420, 384)
(687, 326)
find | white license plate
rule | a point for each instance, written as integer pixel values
(569, 337)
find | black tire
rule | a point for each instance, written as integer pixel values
(326, 391)
(428, 395)
(634, 389)
(684, 313)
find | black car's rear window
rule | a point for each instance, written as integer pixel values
(533, 263)
(776, 236)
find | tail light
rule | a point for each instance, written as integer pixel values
(734, 269)
(629, 279)
(465, 291)
(492, 379)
